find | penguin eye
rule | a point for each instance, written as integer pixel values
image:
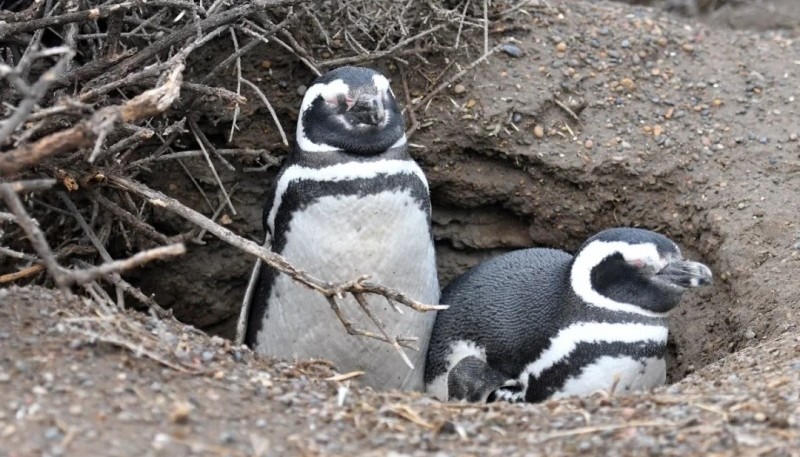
(638, 263)
(341, 103)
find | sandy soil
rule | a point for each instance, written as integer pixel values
(682, 127)
(80, 380)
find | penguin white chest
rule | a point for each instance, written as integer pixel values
(338, 238)
(623, 374)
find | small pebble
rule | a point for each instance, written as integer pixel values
(227, 437)
(589, 144)
(793, 137)
(625, 44)
(628, 84)
(538, 131)
(763, 140)
(52, 434)
(301, 90)
(511, 50)
(266, 64)
(180, 412)
(459, 89)
(749, 334)
(561, 47)
(625, 145)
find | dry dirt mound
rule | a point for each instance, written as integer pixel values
(69, 389)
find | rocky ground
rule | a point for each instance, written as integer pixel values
(608, 115)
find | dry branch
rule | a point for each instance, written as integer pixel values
(9, 193)
(90, 274)
(188, 31)
(149, 103)
(15, 28)
(357, 287)
(65, 114)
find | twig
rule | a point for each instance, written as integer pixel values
(126, 287)
(205, 144)
(246, 48)
(217, 212)
(271, 110)
(31, 185)
(362, 302)
(87, 230)
(199, 153)
(236, 109)
(359, 285)
(196, 184)
(24, 273)
(602, 428)
(261, 38)
(485, 26)
(143, 227)
(355, 331)
(16, 28)
(35, 235)
(566, 108)
(125, 143)
(189, 30)
(90, 274)
(34, 94)
(380, 54)
(409, 106)
(17, 255)
(457, 76)
(146, 104)
(195, 130)
(461, 23)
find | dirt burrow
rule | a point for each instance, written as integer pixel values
(682, 128)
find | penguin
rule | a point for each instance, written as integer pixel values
(349, 200)
(538, 323)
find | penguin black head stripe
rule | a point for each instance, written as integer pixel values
(540, 323)
(349, 200)
(634, 270)
(350, 109)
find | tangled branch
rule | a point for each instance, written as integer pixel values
(98, 93)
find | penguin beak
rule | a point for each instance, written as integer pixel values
(368, 109)
(684, 273)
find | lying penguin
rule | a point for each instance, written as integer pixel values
(349, 200)
(539, 323)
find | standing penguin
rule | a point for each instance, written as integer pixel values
(539, 323)
(349, 200)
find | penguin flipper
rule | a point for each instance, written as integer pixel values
(473, 380)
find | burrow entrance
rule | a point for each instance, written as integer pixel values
(483, 206)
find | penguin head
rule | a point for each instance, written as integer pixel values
(634, 270)
(350, 109)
